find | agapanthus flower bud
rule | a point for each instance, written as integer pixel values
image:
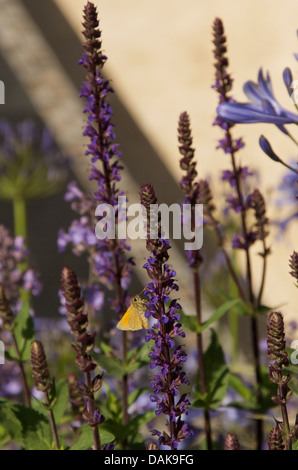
(288, 80)
(231, 442)
(266, 147)
(39, 366)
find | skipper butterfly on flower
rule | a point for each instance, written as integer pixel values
(134, 318)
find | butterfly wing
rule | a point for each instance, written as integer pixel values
(141, 313)
(130, 320)
(134, 319)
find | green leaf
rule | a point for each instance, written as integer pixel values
(23, 330)
(138, 358)
(10, 422)
(61, 400)
(191, 323)
(130, 432)
(295, 445)
(220, 312)
(216, 373)
(112, 407)
(26, 426)
(111, 365)
(237, 384)
(85, 440)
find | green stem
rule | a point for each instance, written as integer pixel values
(21, 230)
(233, 321)
(95, 430)
(52, 422)
(26, 389)
(20, 217)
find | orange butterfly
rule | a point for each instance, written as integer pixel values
(134, 318)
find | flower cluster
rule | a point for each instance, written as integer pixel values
(165, 354)
(6, 314)
(277, 353)
(13, 253)
(277, 374)
(275, 440)
(31, 165)
(188, 185)
(77, 319)
(99, 128)
(231, 442)
(39, 366)
(223, 85)
(106, 257)
(294, 266)
(263, 106)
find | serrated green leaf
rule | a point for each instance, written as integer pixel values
(26, 426)
(10, 422)
(40, 439)
(110, 365)
(85, 440)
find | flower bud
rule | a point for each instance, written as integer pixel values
(39, 365)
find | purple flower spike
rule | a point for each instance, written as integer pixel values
(165, 356)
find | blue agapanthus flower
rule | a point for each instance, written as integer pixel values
(263, 106)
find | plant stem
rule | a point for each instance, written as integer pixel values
(254, 325)
(197, 290)
(21, 229)
(26, 390)
(166, 353)
(20, 217)
(52, 422)
(91, 404)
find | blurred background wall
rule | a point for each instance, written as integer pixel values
(160, 63)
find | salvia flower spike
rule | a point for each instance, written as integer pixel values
(43, 383)
(231, 442)
(279, 357)
(39, 366)
(77, 319)
(294, 266)
(165, 354)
